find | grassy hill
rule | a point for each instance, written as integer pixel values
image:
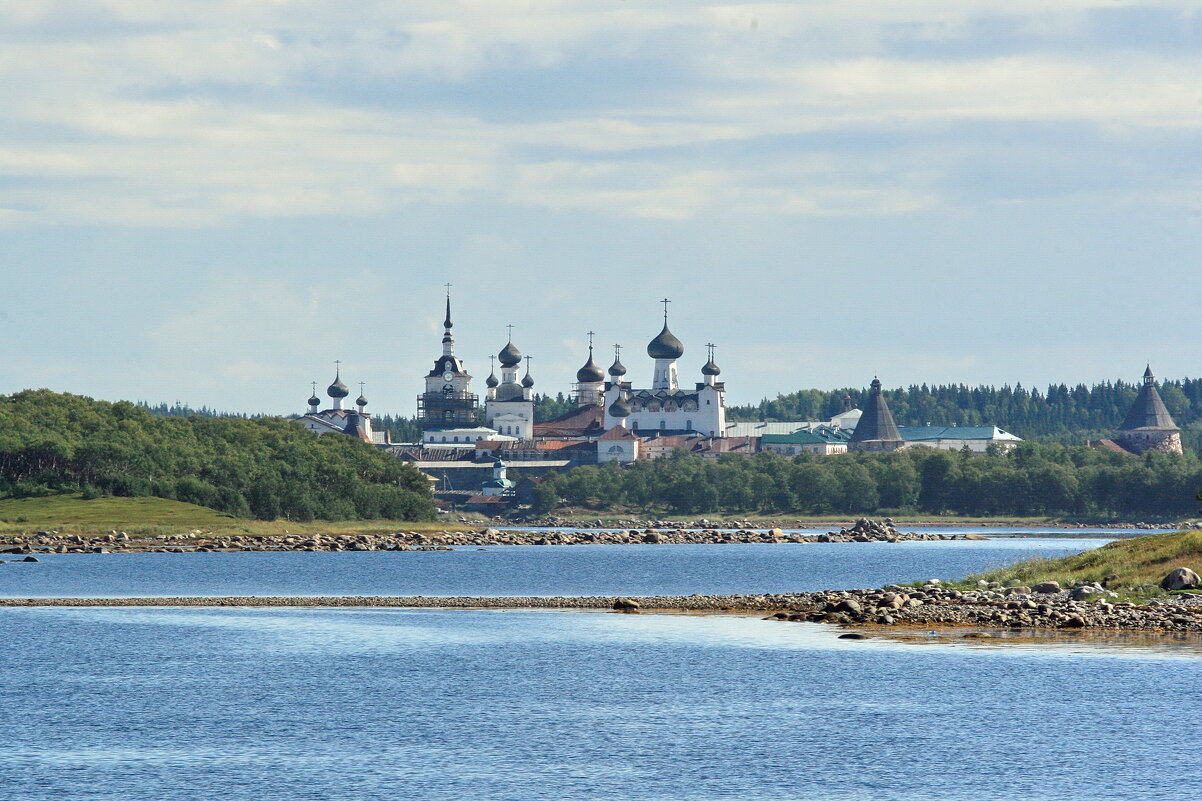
(1137, 563)
(151, 515)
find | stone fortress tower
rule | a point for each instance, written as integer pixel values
(876, 429)
(1149, 426)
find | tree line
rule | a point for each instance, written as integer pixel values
(266, 467)
(1062, 414)
(1029, 480)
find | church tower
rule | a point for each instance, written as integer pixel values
(448, 401)
(1149, 426)
(876, 430)
(509, 409)
(665, 349)
(590, 381)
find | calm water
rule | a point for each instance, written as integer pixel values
(523, 570)
(350, 705)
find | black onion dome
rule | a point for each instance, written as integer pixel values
(709, 368)
(527, 382)
(314, 401)
(337, 389)
(361, 401)
(590, 373)
(617, 369)
(665, 346)
(491, 382)
(619, 408)
(509, 355)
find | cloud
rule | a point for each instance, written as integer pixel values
(199, 114)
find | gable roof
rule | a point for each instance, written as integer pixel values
(928, 433)
(822, 435)
(582, 421)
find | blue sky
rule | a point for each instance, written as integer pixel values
(212, 201)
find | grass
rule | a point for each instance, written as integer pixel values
(1139, 564)
(71, 514)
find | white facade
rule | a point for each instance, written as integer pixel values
(463, 437)
(702, 410)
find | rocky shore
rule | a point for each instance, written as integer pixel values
(737, 524)
(1043, 607)
(120, 542)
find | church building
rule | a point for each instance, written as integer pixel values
(665, 407)
(509, 403)
(353, 422)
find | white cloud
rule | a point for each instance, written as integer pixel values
(195, 113)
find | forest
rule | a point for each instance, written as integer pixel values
(1029, 480)
(1064, 414)
(267, 468)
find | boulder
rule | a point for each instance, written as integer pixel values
(1180, 579)
(652, 537)
(30, 559)
(1046, 587)
(1082, 593)
(850, 605)
(853, 635)
(626, 605)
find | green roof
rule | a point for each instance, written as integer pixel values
(807, 436)
(921, 433)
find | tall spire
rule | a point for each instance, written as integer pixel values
(448, 342)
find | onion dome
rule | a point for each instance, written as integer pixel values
(337, 389)
(617, 369)
(709, 368)
(361, 401)
(509, 355)
(527, 381)
(491, 382)
(590, 373)
(619, 408)
(314, 401)
(665, 345)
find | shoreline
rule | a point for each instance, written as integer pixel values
(863, 530)
(880, 610)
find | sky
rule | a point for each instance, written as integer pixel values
(211, 201)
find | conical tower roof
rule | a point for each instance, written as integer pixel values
(1149, 410)
(877, 421)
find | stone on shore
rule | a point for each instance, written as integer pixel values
(626, 605)
(1046, 587)
(1180, 579)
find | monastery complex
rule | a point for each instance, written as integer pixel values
(482, 456)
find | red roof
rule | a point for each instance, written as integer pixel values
(618, 432)
(583, 421)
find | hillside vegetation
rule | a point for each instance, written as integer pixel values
(1135, 563)
(267, 468)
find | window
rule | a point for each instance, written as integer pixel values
(688, 425)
